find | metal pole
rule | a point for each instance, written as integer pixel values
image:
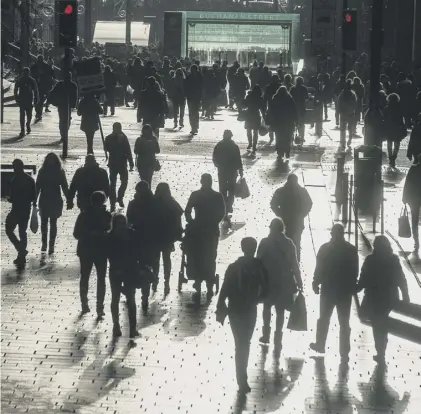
(88, 25)
(345, 185)
(24, 33)
(343, 70)
(351, 187)
(339, 176)
(128, 21)
(382, 207)
(2, 95)
(356, 226)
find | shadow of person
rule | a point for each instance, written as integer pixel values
(326, 400)
(379, 396)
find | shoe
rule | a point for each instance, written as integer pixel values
(47, 110)
(21, 134)
(127, 105)
(264, 340)
(38, 119)
(120, 202)
(175, 125)
(132, 343)
(44, 247)
(116, 331)
(112, 113)
(181, 125)
(244, 389)
(28, 129)
(85, 309)
(249, 147)
(51, 250)
(317, 348)
(379, 359)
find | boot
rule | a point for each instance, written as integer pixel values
(44, 236)
(51, 246)
(116, 331)
(277, 342)
(264, 339)
(166, 286)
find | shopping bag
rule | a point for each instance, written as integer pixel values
(263, 130)
(34, 220)
(298, 316)
(241, 188)
(130, 90)
(404, 226)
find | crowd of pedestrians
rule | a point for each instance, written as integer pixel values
(133, 243)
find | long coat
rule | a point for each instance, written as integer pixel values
(49, 187)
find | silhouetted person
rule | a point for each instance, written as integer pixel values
(202, 232)
(145, 148)
(90, 229)
(26, 96)
(227, 159)
(412, 196)
(231, 73)
(414, 145)
(254, 111)
(336, 273)
(177, 94)
(123, 251)
(110, 83)
(299, 93)
(89, 110)
(22, 195)
(381, 278)
(347, 109)
(51, 181)
(169, 230)
(193, 89)
(245, 285)
(278, 255)
(120, 154)
(43, 75)
(87, 179)
(292, 204)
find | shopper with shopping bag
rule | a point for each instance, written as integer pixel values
(298, 317)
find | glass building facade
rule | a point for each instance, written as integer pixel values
(269, 37)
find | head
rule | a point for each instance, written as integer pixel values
(338, 232)
(179, 73)
(357, 81)
(117, 129)
(163, 190)
(401, 77)
(40, 59)
(18, 166)
(90, 161)
(249, 246)
(299, 81)
(393, 99)
(236, 64)
(257, 90)
(52, 161)
(98, 199)
(147, 131)
(194, 69)
(348, 84)
(381, 245)
(261, 65)
(282, 91)
(288, 79)
(275, 79)
(118, 223)
(25, 72)
(292, 180)
(151, 82)
(277, 226)
(227, 135)
(206, 181)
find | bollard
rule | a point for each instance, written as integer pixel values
(351, 187)
(318, 129)
(340, 167)
(382, 207)
(345, 185)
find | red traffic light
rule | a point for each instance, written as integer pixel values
(68, 9)
(348, 18)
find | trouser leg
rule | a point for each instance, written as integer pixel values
(166, 259)
(380, 330)
(124, 179)
(22, 113)
(131, 309)
(326, 309)
(11, 224)
(415, 220)
(90, 142)
(176, 113)
(86, 264)
(28, 117)
(44, 233)
(182, 110)
(295, 236)
(101, 272)
(249, 137)
(255, 138)
(113, 185)
(343, 308)
(266, 321)
(116, 287)
(53, 233)
(280, 317)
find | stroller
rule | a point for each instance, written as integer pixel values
(191, 264)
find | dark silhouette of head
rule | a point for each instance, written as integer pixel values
(292, 180)
(206, 180)
(337, 232)
(98, 198)
(18, 165)
(117, 127)
(118, 223)
(163, 190)
(142, 189)
(52, 163)
(228, 134)
(381, 246)
(147, 131)
(299, 81)
(249, 246)
(25, 72)
(277, 226)
(90, 161)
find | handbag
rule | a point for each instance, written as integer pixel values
(263, 130)
(241, 188)
(298, 316)
(157, 165)
(34, 220)
(403, 224)
(145, 275)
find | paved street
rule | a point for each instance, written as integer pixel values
(52, 361)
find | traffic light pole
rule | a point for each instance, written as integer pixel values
(343, 66)
(128, 21)
(373, 118)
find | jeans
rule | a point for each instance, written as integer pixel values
(109, 102)
(283, 142)
(280, 317)
(194, 107)
(345, 122)
(90, 141)
(42, 97)
(227, 182)
(242, 326)
(86, 264)
(252, 136)
(117, 289)
(166, 259)
(44, 231)
(379, 324)
(145, 174)
(23, 111)
(14, 219)
(179, 108)
(64, 126)
(342, 303)
(124, 178)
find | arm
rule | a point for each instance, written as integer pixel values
(275, 203)
(79, 227)
(105, 182)
(80, 107)
(16, 90)
(239, 161)
(157, 148)
(64, 184)
(364, 275)
(189, 208)
(128, 152)
(402, 283)
(221, 209)
(319, 270)
(307, 202)
(223, 294)
(215, 156)
(33, 192)
(35, 88)
(38, 185)
(295, 267)
(73, 187)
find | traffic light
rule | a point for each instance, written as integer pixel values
(349, 30)
(66, 15)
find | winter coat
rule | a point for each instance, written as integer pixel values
(117, 145)
(169, 228)
(412, 187)
(270, 92)
(152, 106)
(22, 192)
(282, 113)
(227, 157)
(146, 150)
(254, 107)
(394, 125)
(89, 109)
(278, 255)
(194, 87)
(49, 187)
(211, 84)
(177, 91)
(347, 103)
(63, 94)
(300, 95)
(26, 92)
(381, 278)
(240, 85)
(90, 231)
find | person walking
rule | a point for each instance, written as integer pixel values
(26, 96)
(143, 216)
(146, 147)
(43, 75)
(270, 91)
(120, 154)
(22, 195)
(231, 78)
(245, 285)
(110, 83)
(335, 278)
(292, 204)
(381, 279)
(240, 85)
(347, 109)
(227, 159)
(169, 230)
(178, 96)
(283, 117)
(194, 89)
(394, 127)
(254, 111)
(412, 197)
(278, 255)
(89, 110)
(122, 252)
(91, 226)
(299, 93)
(51, 181)
(87, 179)
(414, 145)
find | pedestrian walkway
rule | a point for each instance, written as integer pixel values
(54, 362)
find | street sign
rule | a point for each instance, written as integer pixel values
(323, 23)
(89, 75)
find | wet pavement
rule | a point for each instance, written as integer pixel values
(52, 361)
